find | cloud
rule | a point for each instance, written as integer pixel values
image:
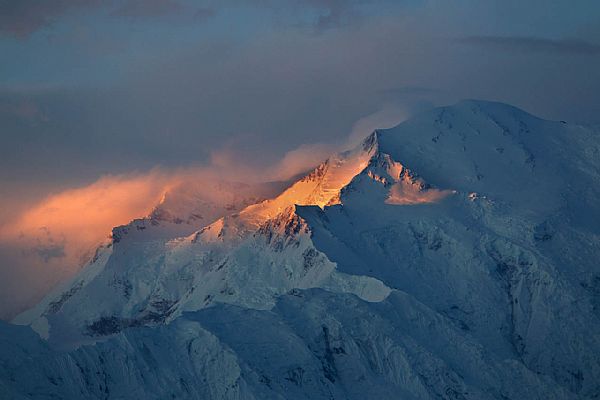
(48, 246)
(333, 13)
(231, 162)
(300, 160)
(323, 15)
(50, 240)
(21, 108)
(147, 8)
(48, 252)
(387, 117)
(81, 213)
(21, 18)
(204, 13)
(530, 44)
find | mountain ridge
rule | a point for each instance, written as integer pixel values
(448, 257)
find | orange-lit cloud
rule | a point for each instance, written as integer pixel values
(65, 227)
(300, 160)
(48, 242)
(228, 162)
(83, 215)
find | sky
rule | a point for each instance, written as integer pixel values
(102, 101)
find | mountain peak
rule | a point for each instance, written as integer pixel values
(321, 187)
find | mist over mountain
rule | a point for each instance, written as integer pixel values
(49, 242)
(454, 256)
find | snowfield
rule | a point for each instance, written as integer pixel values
(455, 256)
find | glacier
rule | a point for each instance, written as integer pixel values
(455, 256)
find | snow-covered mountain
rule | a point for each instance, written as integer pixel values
(455, 256)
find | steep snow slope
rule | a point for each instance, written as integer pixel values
(454, 256)
(511, 257)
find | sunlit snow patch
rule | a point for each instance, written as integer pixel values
(402, 194)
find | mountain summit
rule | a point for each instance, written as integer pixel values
(454, 256)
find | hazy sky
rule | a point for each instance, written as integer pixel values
(90, 88)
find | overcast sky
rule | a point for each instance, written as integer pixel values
(90, 88)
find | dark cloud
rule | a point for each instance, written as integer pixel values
(527, 44)
(21, 18)
(204, 13)
(19, 108)
(50, 251)
(333, 13)
(48, 246)
(147, 8)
